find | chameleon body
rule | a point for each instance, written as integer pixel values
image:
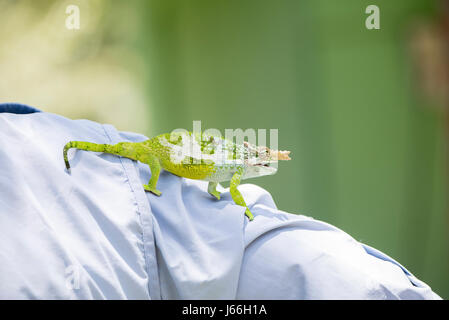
(194, 156)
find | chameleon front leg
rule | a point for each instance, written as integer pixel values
(212, 189)
(155, 167)
(235, 193)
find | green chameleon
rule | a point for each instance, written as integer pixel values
(194, 156)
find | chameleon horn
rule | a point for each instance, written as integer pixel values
(283, 155)
(280, 155)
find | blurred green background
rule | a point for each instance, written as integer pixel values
(368, 144)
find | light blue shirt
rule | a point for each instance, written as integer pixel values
(96, 234)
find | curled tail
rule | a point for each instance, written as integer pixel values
(89, 146)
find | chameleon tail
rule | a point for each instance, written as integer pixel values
(88, 146)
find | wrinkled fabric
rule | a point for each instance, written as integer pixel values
(94, 233)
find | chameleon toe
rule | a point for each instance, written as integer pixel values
(152, 190)
(216, 194)
(249, 214)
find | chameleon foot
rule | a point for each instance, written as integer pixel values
(152, 190)
(216, 194)
(249, 214)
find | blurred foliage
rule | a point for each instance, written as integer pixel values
(368, 150)
(94, 72)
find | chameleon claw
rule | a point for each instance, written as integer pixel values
(249, 214)
(152, 190)
(216, 194)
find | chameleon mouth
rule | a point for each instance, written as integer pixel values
(265, 168)
(263, 165)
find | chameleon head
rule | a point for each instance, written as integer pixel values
(263, 161)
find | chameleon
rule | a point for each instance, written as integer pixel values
(194, 156)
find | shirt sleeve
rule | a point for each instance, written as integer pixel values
(94, 233)
(301, 258)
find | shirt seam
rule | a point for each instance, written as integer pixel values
(146, 234)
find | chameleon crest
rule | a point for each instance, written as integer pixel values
(195, 156)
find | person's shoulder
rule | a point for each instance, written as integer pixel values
(327, 260)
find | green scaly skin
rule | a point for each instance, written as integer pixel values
(216, 160)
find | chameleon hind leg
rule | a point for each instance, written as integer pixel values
(155, 168)
(212, 189)
(235, 193)
(129, 150)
